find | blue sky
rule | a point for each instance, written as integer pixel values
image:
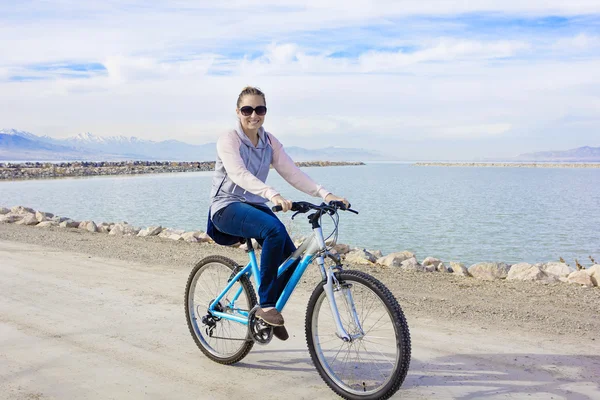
(415, 79)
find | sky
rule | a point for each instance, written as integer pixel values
(413, 79)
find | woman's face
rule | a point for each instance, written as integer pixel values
(253, 121)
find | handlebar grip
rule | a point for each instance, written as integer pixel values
(295, 207)
(276, 208)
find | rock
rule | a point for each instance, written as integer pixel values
(28, 219)
(46, 224)
(22, 210)
(244, 246)
(10, 218)
(203, 237)
(4, 210)
(166, 232)
(83, 224)
(526, 272)
(69, 224)
(123, 229)
(175, 236)
(150, 231)
(489, 271)
(411, 265)
(91, 226)
(580, 277)
(43, 216)
(442, 268)
(557, 268)
(429, 268)
(594, 273)
(376, 253)
(190, 237)
(341, 248)
(104, 228)
(395, 259)
(59, 219)
(459, 269)
(360, 257)
(117, 230)
(431, 261)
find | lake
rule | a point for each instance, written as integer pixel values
(465, 214)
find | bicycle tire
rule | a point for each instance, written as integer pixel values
(401, 333)
(191, 316)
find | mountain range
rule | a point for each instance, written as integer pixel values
(18, 145)
(580, 154)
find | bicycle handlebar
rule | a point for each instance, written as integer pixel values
(304, 206)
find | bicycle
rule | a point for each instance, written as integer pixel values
(356, 332)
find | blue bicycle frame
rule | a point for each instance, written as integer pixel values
(251, 270)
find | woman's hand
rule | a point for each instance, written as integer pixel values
(333, 197)
(285, 204)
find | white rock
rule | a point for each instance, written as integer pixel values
(190, 237)
(376, 253)
(28, 219)
(441, 267)
(22, 210)
(166, 232)
(10, 218)
(459, 269)
(395, 259)
(69, 224)
(557, 268)
(341, 248)
(431, 261)
(411, 265)
(360, 257)
(594, 273)
(91, 227)
(103, 229)
(580, 277)
(203, 237)
(4, 210)
(174, 236)
(150, 231)
(429, 268)
(83, 224)
(526, 272)
(117, 230)
(43, 216)
(59, 219)
(46, 224)
(489, 271)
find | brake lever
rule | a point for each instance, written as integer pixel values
(296, 213)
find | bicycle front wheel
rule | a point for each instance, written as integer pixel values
(220, 339)
(374, 363)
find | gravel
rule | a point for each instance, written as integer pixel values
(555, 309)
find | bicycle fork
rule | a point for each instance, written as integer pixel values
(331, 286)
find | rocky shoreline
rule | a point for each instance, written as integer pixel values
(544, 273)
(37, 170)
(508, 165)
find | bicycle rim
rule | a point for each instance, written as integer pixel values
(227, 338)
(367, 365)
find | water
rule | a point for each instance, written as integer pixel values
(457, 214)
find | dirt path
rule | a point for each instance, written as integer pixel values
(75, 325)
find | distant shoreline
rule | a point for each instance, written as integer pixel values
(509, 165)
(47, 170)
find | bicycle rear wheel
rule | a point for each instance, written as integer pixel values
(374, 363)
(221, 340)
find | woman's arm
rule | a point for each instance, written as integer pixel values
(289, 171)
(228, 149)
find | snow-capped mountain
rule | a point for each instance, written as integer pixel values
(87, 146)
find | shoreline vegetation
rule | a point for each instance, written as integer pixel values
(47, 170)
(548, 273)
(510, 164)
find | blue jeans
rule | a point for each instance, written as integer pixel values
(258, 222)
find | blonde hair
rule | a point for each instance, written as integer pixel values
(250, 90)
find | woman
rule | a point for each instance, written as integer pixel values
(239, 194)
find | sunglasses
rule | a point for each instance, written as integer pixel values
(247, 110)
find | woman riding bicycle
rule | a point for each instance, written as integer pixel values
(239, 194)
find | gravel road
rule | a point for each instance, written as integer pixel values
(91, 316)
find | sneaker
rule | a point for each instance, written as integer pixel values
(271, 317)
(280, 332)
